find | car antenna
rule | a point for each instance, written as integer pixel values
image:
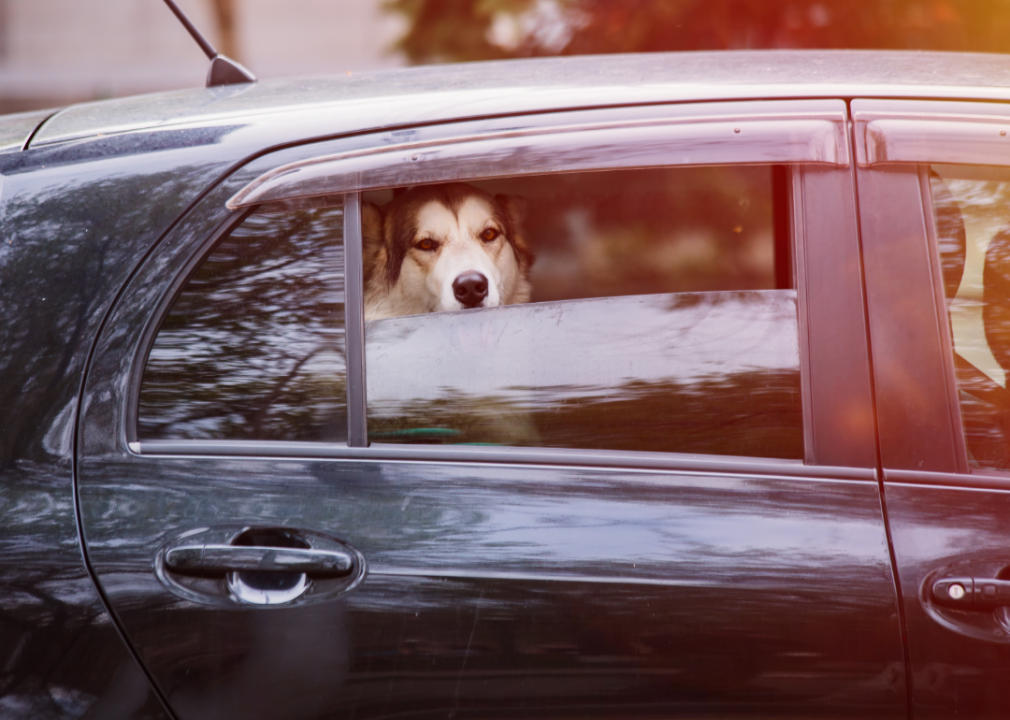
(223, 70)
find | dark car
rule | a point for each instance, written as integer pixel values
(645, 386)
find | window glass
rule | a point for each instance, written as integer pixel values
(253, 346)
(632, 310)
(971, 208)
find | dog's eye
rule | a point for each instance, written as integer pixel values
(427, 244)
(489, 235)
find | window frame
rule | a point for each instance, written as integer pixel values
(358, 447)
(896, 142)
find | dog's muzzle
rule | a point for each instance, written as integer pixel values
(470, 289)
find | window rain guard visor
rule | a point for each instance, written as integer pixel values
(691, 134)
(895, 131)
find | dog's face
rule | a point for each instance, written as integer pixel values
(458, 257)
(444, 247)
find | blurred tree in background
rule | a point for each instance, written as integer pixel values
(224, 13)
(456, 30)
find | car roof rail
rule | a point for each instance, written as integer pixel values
(223, 70)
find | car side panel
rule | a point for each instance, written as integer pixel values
(513, 589)
(74, 222)
(943, 520)
(541, 591)
(839, 397)
(959, 660)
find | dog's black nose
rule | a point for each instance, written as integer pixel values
(470, 289)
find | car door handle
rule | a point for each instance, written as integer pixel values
(967, 593)
(221, 559)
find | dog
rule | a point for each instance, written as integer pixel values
(444, 247)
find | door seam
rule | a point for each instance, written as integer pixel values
(899, 596)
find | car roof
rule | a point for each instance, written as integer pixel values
(15, 130)
(361, 102)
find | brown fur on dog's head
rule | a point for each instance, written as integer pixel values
(400, 274)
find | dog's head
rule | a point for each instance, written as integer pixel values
(444, 247)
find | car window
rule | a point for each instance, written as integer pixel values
(253, 345)
(971, 209)
(626, 310)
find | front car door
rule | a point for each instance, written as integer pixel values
(934, 179)
(650, 490)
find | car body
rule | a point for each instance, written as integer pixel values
(750, 497)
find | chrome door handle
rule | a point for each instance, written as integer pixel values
(222, 559)
(967, 593)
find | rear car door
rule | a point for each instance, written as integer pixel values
(650, 490)
(933, 182)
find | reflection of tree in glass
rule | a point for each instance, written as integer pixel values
(755, 414)
(950, 234)
(253, 347)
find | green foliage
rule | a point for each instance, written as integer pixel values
(448, 30)
(459, 30)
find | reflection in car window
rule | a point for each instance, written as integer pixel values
(971, 208)
(632, 310)
(253, 346)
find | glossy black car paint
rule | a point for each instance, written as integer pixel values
(513, 589)
(943, 521)
(75, 221)
(548, 586)
(77, 218)
(80, 213)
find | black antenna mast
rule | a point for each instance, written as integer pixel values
(223, 70)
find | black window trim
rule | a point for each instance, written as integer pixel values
(908, 350)
(354, 323)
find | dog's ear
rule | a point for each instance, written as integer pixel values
(373, 246)
(515, 210)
